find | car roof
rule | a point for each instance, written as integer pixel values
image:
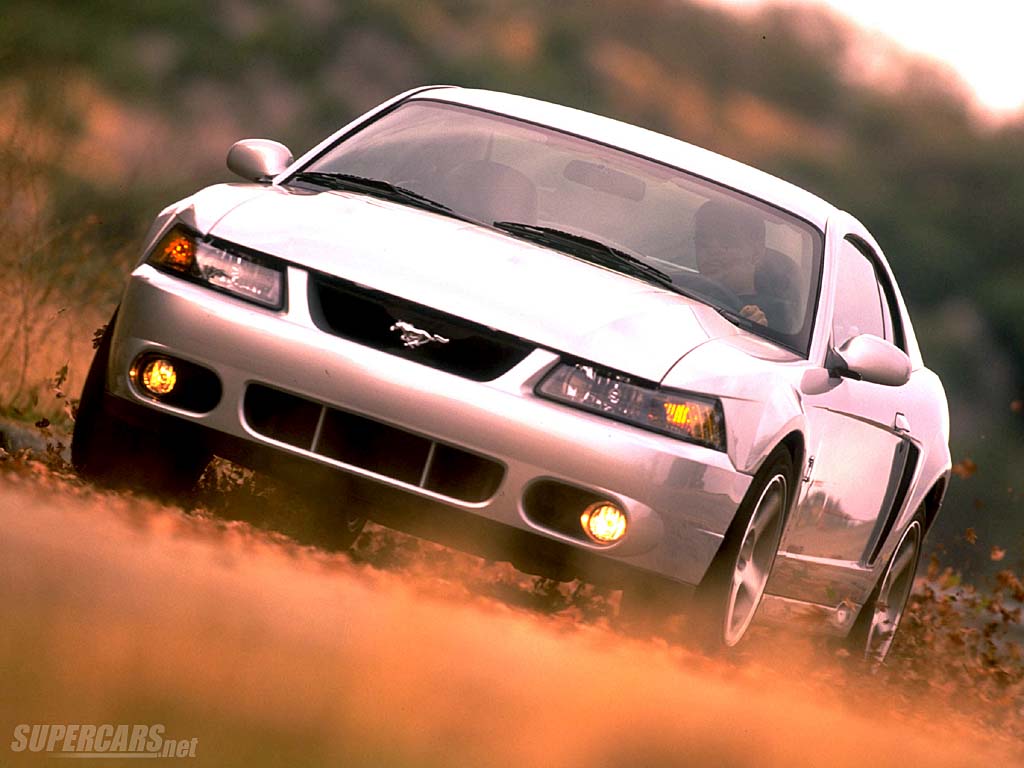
(644, 142)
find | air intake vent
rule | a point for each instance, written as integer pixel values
(357, 441)
(432, 338)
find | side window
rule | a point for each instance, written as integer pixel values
(890, 313)
(886, 316)
(858, 307)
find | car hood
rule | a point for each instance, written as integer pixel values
(478, 274)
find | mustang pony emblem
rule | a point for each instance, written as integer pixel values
(413, 337)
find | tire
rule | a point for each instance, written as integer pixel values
(114, 454)
(728, 596)
(874, 630)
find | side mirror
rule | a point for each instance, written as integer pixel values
(875, 360)
(258, 159)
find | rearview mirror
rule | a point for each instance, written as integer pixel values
(875, 360)
(258, 159)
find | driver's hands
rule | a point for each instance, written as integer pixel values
(755, 313)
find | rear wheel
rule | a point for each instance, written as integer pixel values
(875, 628)
(728, 596)
(112, 453)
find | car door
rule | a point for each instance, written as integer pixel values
(859, 457)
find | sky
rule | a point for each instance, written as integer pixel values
(981, 40)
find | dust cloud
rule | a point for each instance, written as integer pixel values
(120, 610)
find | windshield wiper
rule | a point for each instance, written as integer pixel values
(348, 182)
(736, 318)
(589, 249)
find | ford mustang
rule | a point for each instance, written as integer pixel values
(544, 336)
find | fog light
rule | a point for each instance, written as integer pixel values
(159, 376)
(604, 522)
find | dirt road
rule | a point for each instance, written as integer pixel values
(120, 611)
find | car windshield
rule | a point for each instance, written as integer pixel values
(758, 265)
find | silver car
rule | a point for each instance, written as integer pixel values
(547, 337)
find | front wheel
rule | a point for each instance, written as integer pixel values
(113, 453)
(728, 596)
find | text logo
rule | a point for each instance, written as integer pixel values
(85, 740)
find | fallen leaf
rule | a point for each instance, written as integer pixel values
(970, 536)
(97, 335)
(964, 469)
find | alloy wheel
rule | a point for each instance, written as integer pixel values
(754, 560)
(893, 593)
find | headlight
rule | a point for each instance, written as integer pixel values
(679, 414)
(225, 267)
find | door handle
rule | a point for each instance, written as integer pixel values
(901, 423)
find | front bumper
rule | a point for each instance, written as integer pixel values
(680, 498)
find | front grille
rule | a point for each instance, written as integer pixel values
(371, 445)
(359, 314)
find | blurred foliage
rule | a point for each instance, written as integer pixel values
(128, 106)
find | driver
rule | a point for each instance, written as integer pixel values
(729, 244)
(730, 248)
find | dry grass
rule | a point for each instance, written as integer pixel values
(58, 278)
(121, 610)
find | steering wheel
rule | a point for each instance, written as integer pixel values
(708, 288)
